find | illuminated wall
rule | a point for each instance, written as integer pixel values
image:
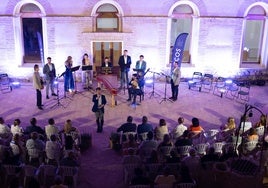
(68, 30)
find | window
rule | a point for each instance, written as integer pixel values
(253, 36)
(107, 19)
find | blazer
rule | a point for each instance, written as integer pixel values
(37, 80)
(50, 75)
(96, 103)
(143, 65)
(122, 64)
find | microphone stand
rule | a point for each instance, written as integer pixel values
(56, 82)
(165, 95)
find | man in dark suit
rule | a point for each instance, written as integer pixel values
(50, 74)
(106, 62)
(99, 101)
(124, 63)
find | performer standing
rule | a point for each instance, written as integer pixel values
(175, 80)
(38, 85)
(124, 63)
(99, 101)
(141, 64)
(68, 76)
(88, 76)
(50, 74)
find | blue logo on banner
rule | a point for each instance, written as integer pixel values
(178, 48)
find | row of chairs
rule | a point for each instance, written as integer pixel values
(222, 86)
(45, 174)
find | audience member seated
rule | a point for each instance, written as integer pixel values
(261, 122)
(166, 179)
(184, 140)
(5, 132)
(230, 125)
(195, 129)
(147, 146)
(35, 143)
(106, 62)
(16, 128)
(153, 157)
(131, 158)
(70, 146)
(166, 141)
(70, 160)
(161, 130)
(139, 178)
(227, 154)
(252, 135)
(211, 156)
(173, 158)
(245, 125)
(58, 183)
(192, 162)
(51, 128)
(227, 129)
(35, 128)
(18, 152)
(53, 150)
(69, 130)
(131, 143)
(127, 127)
(144, 127)
(185, 175)
(179, 129)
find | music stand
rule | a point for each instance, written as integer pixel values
(87, 68)
(165, 95)
(56, 82)
(62, 74)
(152, 93)
(74, 69)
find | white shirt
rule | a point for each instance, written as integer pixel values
(53, 149)
(4, 129)
(178, 130)
(16, 130)
(50, 130)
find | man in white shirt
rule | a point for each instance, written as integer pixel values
(51, 129)
(4, 129)
(179, 129)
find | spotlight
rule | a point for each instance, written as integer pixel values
(15, 84)
(149, 82)
(228, 81)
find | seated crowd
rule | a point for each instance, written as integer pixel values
(190, 149)
(38, 147)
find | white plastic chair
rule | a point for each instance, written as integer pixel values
(69, 173)
(218, 147)
(29, 172)
(201, 149)
(250, 146)
(184, 150)
(129, 171)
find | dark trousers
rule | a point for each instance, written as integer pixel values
(124, 78)
(99, 120)
(38, 98)
(174, 90)
(133, 92)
